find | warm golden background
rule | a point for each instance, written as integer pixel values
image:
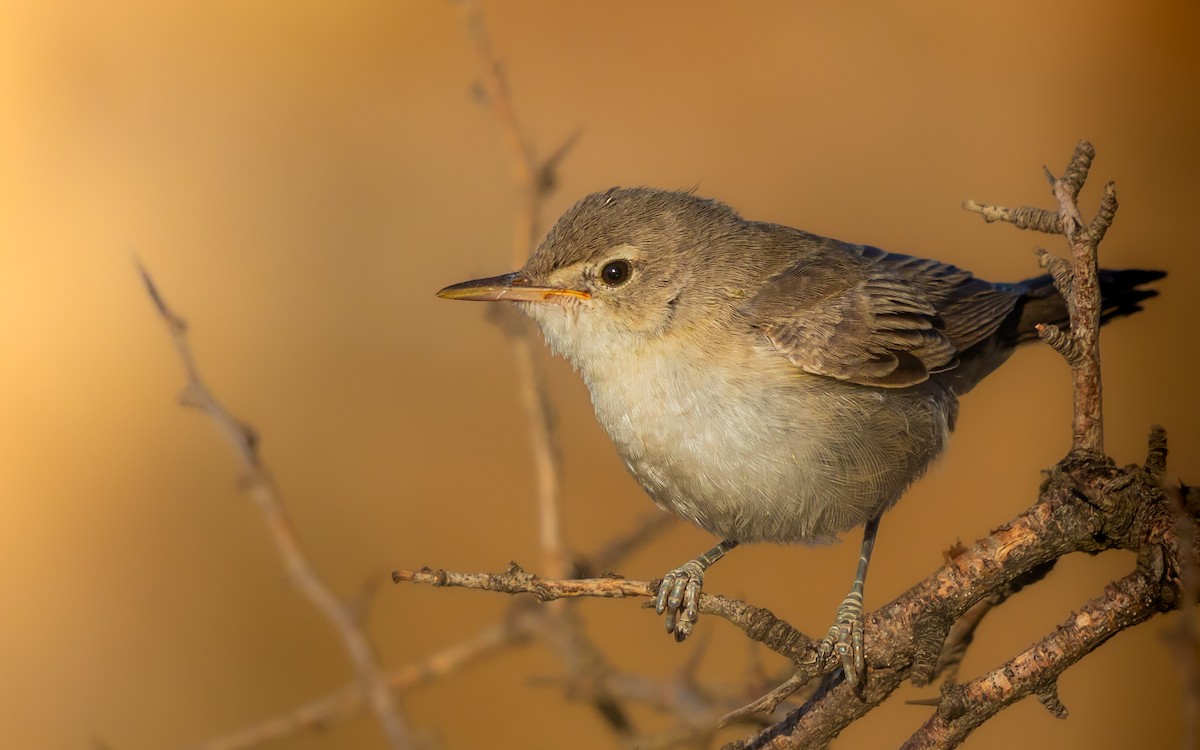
(302, 176)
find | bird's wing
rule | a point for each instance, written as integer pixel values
(859, 314)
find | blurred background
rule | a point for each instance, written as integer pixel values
(300, 177)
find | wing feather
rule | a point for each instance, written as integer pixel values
(859, 314)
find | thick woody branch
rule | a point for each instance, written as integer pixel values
(1086, 505)
(372, 682)
(963, 708)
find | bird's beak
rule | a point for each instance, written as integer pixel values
(512, 287)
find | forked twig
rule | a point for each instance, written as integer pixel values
(1078, 281)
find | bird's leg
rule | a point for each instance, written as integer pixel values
(846, 635)
(679, 592)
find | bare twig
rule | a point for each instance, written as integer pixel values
(768, 702)
(1023, 217)
(258, 483)
(757, 623)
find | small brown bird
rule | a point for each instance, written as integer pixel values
(767, 384)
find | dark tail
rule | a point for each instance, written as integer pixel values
(1120, 295)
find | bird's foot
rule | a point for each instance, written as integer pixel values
(679, 598)
(845, 639)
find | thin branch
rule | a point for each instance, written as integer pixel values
(768, 702)
(757, 623)
(257, 480)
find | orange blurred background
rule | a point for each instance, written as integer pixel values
(300, 177)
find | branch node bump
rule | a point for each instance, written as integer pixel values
(1059, 268)
(1048, 697)
(1078, 168)
(954, 701)
(1062, 342)
(1104, 215)
(929, 638)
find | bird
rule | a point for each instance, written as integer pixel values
(765, 383)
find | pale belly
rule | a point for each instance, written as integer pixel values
(798, 462)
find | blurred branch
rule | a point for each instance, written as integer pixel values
(522, 624)
(257, 481)
(346, 703)
(536, 180)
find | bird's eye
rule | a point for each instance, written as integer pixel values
(615, 272)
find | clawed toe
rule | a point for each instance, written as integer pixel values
(679, 593)
(679, 599)
(845, 640)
